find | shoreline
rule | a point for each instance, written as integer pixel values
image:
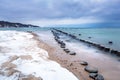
(107, 65)
(24, 59)
(67, 61)
(72, 63)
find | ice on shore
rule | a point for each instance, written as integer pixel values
(20, 56)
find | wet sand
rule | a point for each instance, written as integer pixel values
(72, 63)
(67, 61)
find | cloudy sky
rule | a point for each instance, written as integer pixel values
(49, 12)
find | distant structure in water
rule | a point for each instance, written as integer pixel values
(110, 42)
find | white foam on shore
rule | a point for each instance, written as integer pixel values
(21, 43)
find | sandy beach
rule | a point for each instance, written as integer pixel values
(107, 65)
(22, 58)
(67, 61)
(60, 40)
(38, 55)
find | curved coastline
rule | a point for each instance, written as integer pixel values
(106, 64)
(24, 59)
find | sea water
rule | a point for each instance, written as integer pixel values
(100, 36)
(34, 29)
(106, 64)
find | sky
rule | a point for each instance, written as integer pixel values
(51, 12)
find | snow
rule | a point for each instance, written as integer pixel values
(14, 43)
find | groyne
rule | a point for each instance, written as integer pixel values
(93, 71)
(96, 45)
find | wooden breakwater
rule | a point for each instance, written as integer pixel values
(93, 71)
(100, 47)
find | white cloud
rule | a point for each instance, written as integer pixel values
(46, 22)
(59, 11)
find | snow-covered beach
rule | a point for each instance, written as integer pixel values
(59, 39)
(35, 55)
(22, 59)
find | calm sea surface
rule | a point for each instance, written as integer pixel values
(101, 36)
(34, 29)
(107, 65)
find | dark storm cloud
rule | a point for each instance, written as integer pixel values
(59, 9)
